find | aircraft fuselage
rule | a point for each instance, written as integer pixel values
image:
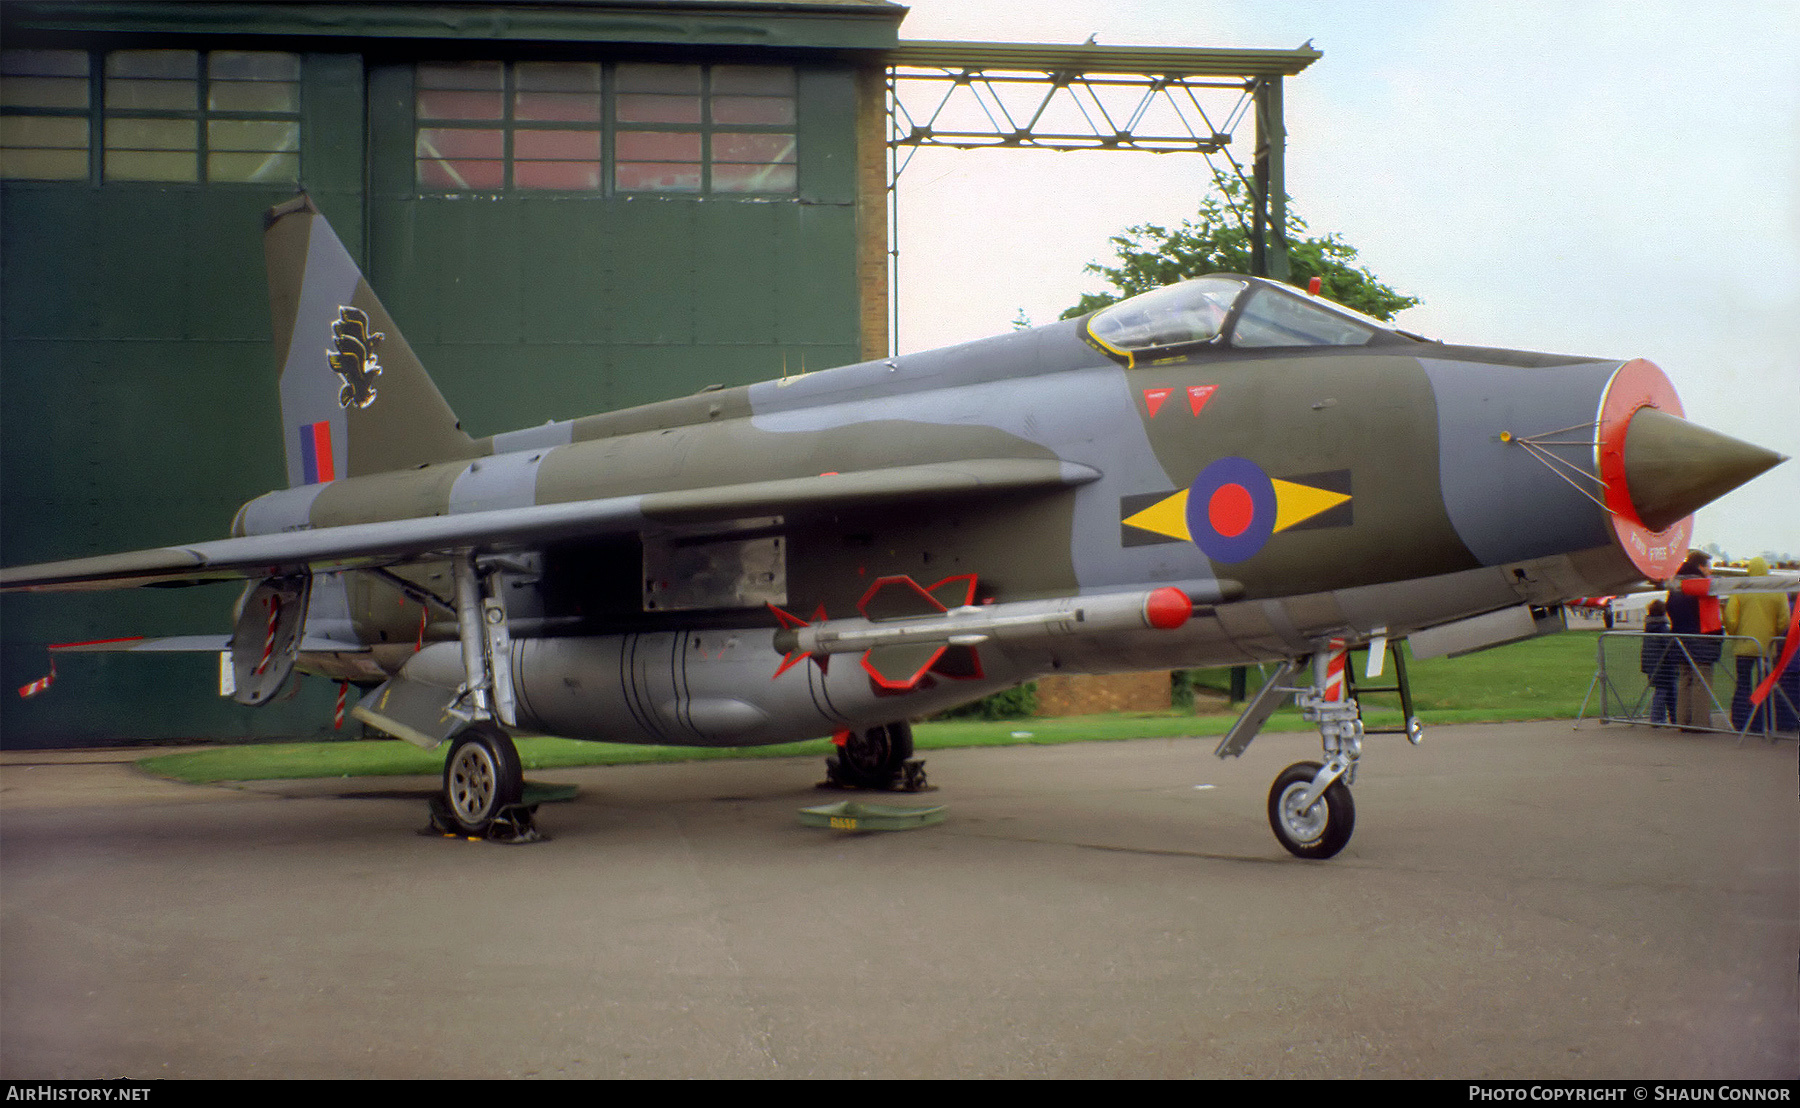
(1385, 461)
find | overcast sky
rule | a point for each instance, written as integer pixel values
(1609, 178)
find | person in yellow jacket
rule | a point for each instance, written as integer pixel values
(1758, 618)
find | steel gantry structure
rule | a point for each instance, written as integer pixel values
(1162, 100)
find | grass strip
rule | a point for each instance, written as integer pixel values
(1541, 679)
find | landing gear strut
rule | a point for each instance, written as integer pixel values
(483, 781)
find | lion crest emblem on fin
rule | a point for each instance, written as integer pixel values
(353, 357)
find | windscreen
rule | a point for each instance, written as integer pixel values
(1275, 317)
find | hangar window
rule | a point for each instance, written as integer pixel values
(44, 110)
(490, 126)
(165, 115)
(218, 116)
(690, 128)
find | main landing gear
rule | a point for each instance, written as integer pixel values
(876, 758)
(1310, 809)
(483, 781)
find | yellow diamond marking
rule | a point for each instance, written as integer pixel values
(1293, 504)
(1165, 517)
(1299, 503)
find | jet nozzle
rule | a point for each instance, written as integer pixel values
(1673, 467)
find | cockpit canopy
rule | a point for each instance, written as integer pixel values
(1238, 312)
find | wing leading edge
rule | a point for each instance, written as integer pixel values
(390, 541)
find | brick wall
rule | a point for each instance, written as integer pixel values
(1117, 692)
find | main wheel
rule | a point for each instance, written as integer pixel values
(1316, 832)
(872, 759)
(481, 777)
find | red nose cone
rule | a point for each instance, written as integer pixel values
(1167, 609)
(1638, 384)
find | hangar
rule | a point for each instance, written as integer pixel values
(574, 207)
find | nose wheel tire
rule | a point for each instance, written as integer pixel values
(481, 778)
(1319, 831)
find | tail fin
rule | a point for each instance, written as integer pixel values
(354, 399)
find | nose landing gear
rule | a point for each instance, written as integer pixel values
(1310, 809)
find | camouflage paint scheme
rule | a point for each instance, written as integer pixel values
(1345, 491)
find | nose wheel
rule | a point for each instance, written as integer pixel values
(1317, 829)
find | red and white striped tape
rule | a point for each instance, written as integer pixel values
(42, 683)
(269, 639)
(1334, 670)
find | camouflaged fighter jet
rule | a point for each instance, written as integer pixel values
(1220, 472)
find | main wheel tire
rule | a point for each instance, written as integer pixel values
(873, 758)
(1317, 832)
(481, 778)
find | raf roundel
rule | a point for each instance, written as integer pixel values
(1231, 509)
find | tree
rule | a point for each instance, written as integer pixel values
(1218, 241)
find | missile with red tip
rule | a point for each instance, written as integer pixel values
(906, 630)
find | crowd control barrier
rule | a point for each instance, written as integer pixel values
(1637, 676)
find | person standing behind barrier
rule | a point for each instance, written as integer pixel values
(1758, 618)
(1657, 665)
(1696, 622)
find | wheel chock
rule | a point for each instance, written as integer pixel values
(536, 794)
(854, 815)
(512, 825)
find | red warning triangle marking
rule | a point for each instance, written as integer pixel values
(1153, 398)
(1198, 395)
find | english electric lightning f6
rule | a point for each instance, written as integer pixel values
(1220, 472)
